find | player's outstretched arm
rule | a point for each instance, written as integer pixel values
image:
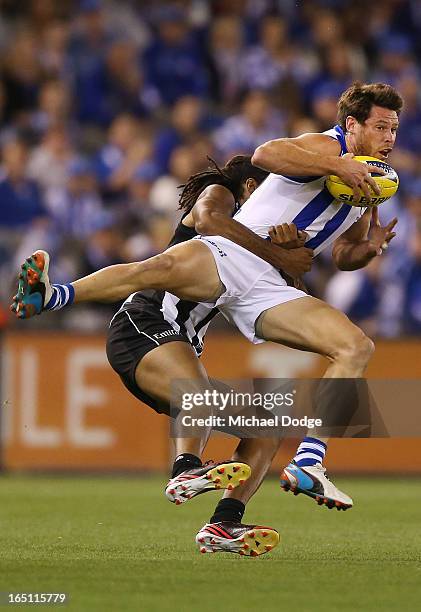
(363, 241)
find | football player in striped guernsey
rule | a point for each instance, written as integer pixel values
(156, 336)
(252, 294)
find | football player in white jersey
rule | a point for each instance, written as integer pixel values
(252, 294)
(155, 337)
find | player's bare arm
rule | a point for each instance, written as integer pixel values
(363, 241)
(315, 155)
(212, 217)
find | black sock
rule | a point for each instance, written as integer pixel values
(228, 510)
(185, 462)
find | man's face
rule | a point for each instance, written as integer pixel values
(376, 136)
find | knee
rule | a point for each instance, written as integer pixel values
(355, 348)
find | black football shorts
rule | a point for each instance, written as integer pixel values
(131, 335)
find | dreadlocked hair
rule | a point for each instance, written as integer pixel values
(232, 176)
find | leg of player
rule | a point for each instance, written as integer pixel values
(259, 453)
(328, 332)
(155, 374)
(188, 270)
(225, 531)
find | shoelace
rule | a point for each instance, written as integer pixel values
(209, 461)
(320, 467)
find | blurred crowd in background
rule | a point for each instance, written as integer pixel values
(107, 106)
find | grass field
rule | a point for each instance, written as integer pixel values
(116, 544)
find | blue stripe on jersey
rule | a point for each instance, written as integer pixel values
(313, 209)
(341, 139)
(330, 227)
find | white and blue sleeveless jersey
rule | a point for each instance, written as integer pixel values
(302, 200)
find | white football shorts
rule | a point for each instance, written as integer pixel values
(251, 285)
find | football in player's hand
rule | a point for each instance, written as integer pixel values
(388, 184)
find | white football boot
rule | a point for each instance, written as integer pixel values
(312, 481)
(207, 477)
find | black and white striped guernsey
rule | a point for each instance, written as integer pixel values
(189, 318)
